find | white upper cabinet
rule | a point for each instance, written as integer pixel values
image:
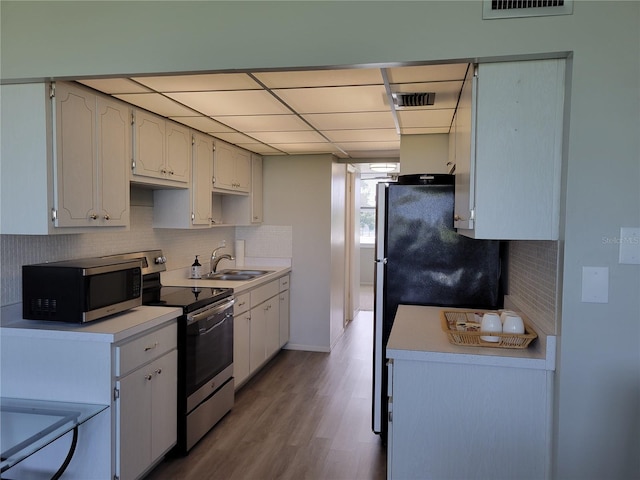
(231, 169)
(66, 154)
(188, 208)
(510, 188)
(161, 152)
(256, 189)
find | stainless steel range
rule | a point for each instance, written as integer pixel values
(205, 348)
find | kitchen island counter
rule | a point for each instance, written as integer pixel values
(466, 412)
(417, 335)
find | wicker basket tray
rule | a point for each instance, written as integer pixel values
(450, 319)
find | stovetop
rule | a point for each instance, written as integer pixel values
(187, 298)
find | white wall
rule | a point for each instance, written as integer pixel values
(297, 192)
(338, 249)
(597, 433)
(424, 153)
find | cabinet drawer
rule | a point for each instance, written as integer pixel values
(264, 292)
(242, 303)
(284, 283)
(146, 348)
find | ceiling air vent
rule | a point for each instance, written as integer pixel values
(408, 100)
(525, 8)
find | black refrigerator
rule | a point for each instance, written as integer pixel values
(421, 260)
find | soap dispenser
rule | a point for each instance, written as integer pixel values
(196, 269)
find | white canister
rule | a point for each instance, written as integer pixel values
(490, 324)
(239, 253)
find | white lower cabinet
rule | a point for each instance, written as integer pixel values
(241, 338)
(147, 414)
(146, 401)
(261, 327)
(451, 420)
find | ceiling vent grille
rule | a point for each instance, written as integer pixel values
(525, 8)
(408, 100)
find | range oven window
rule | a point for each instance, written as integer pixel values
(209, 348)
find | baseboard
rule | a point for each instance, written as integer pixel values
(306, 348)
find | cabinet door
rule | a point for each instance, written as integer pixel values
(114, 147)
(256, 189)
(464, 145)
(76, 152)
(133, 418)
(272, 313)
(202, 164)
(284, 317)
(242, 176)
(164, 405)
(257, 337)
(149, 148)
(178, 155)
(223, 167)
(241, 346)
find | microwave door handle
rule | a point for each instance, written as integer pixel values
(202, 332)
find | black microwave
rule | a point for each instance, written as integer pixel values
(81, 290)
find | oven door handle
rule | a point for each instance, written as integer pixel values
(202, 331)
(209, 312)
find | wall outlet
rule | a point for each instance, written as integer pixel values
(629, 245)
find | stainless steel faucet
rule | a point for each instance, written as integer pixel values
(215, 259)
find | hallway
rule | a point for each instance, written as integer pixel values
(306, 415)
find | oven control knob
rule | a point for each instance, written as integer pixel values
(161, 260)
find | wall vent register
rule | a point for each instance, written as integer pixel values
(525, 8)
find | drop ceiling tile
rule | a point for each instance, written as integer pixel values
(235, 138)
(114, 85)
(427, 73)
(204, 124)
(366, 146)
(368, 98)
(321, 78)
(425, 118)
(357, 121)
(393, 154)
(265, 123)
(200, 83)
(373, 135)
(288, 137)
(308, 148)
(424, 130)
(156, 103)
(246, 102)
(447, 93)
(260, 148)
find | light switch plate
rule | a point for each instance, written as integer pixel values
(629, 245)
(595, 284)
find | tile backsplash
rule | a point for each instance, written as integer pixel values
(179, 246)
(533, 281)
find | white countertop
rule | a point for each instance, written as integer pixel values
(112, 329)
(417, 335)
(180, 278)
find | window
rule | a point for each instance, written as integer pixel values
(368, 210)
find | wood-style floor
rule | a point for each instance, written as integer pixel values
(306, 415)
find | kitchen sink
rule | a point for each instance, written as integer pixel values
(237, 274)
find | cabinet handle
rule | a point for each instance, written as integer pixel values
(93, 216)
(107, 217)
(158, 371)
(457, 218)
(163, 170)
(146, 349)
(148, 377)
(241, 304)
(170, 172)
